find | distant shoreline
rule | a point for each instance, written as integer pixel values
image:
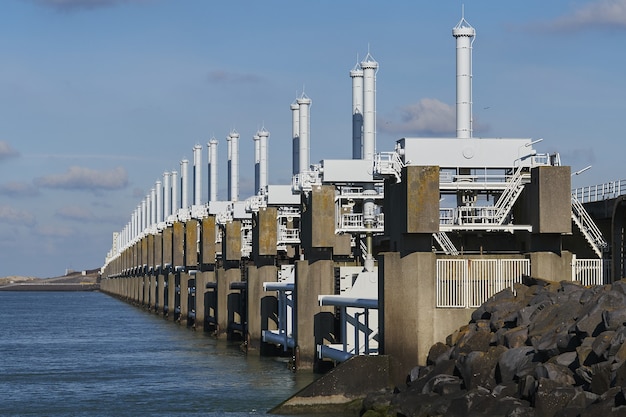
(56, 286)
(75, 281)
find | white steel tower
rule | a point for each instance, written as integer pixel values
(233, 166)
(295, 136)
(212, 169)
(304, 125)
(197, 175)
(464, 34)
(357, 112)
(369, 67)
(263, 137)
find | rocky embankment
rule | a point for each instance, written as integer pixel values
(553, 349)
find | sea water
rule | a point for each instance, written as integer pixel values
(88, 354)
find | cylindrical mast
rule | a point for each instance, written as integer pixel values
(159, 202)
(167, 196)
(197, 175)
(143, 216)
(464, 34)
(257, 166)
(357, 112)
(153, 207)
(263, 137)
(304, 122)
(213, 169)
(184, 183)
(234, 166)
(175, 195)
(295, 136)
(369, 66)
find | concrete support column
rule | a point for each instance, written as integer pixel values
(225, 277)
(171, 295)
(160, 297)
(201, 280)
(313, 323)
(184, 298)
(152, 295)
(262, 306)
(145, 301)
(406, 301)
(551, 266)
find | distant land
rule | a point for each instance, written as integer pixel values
(72, 281)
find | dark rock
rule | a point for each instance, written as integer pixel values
(601, 380)
(473, 400)
(559, 374)
(602, 343)
(442, 384)
(569, 359)
(439, 351)
(614, 319)
(527, 387)
(512, 361)
(551, 397)
(515, 337)
(478, 368)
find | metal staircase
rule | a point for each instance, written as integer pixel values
(509, 196)
(587, 227)
(445, 243)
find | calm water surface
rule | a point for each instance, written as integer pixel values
(87, 354)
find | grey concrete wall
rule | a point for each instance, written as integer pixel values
(264, 232)
(262, 306)
(314, 323)
(191, 244)
(207, 241)
(406, 304)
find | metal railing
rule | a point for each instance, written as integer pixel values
(588, 227)
(467, 283)
(283, 336)
(358, 338)
(589, 271)
(600, 192)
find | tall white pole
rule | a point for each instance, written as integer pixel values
(153, 207)
(213, 169)
(369, 66)
(159, 202)
(295, 137)
(464, 34)
(197, 175)
(167, 195)
(357, 112)
(304, 122)
(184, 178)
(263, 177)
(175, 195)
(257, 159)
(234, 166)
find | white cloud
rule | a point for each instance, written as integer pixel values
(6, 151)
(599, 13)
(12, 215)
(18, 189)
(427, 117)
(80, 178)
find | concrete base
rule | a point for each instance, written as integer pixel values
(262, 307)
(225, 277)
(551, 266)
(409, 322)
(314, 323)
(342, 390)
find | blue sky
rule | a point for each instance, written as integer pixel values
(99, 97)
